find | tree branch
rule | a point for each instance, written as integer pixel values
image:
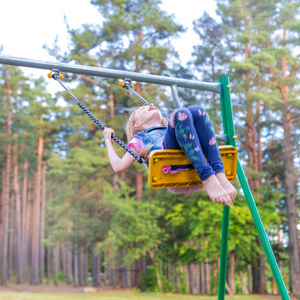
(294, 67)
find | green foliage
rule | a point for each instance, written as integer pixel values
(134, 225)
(149, 282)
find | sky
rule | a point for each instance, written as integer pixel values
(27, 25)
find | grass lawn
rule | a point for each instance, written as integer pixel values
(122, 295)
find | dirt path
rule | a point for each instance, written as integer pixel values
(42, 288)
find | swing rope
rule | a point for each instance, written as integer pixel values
(56, 76)
(129, 86)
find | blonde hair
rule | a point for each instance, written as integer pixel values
(131, 130)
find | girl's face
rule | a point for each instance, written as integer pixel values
(148, 116)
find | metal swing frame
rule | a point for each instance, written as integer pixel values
(221, 87)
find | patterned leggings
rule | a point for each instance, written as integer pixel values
(191, 130)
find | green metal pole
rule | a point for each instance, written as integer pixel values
(228, 125)
(262, 234)
(227, 118)
(223, 253)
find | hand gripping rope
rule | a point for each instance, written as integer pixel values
(57, 76)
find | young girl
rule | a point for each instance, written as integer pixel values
(189, 129)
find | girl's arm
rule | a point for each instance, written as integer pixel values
(118, 164)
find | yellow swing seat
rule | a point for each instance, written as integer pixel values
(159, 160)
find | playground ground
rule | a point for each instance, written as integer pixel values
(45, 292)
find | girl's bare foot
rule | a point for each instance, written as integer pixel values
(227, 186)
(215, 191)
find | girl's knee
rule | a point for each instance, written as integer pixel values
(196, 108)
(198, 111)
(183, 114)
(180, 114)
(182, 110)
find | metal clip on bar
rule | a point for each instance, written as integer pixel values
(126, 83)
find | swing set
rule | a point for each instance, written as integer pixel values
(157, 178)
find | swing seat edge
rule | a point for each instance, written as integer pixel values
(159, 159)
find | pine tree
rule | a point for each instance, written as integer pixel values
(249, 26)
(6, 181)
(283, 66)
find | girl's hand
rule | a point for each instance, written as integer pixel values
(118, 164)
(107, 133)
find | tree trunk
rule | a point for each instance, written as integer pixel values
(69, 258)
(139, 191)
(258, 182)
(83, 269)
(48, 264)
(290, 183)
(42, 233)
(255, 276)
(202, 278)
(207, 277)
(216, 273)
(35, 235)
(69, 267)
(158, 278)
(24, 211)
(124, 271)
(28, 232)
(76, 275)
(254, 150)
(11, 238)
(63, 253)
(19, 262)
(96, 266)
(26, 256)
(262, 271)
(129, 275)
(6, 199)
(83, 275)
(80, 265)
(244, 286)
(2, 216)
(249, 278)
(151, 254)
(193, 278)
(56, 263)
(228, 289)
(105, 261)
(291, 202)
(3, 199)
(232, 273)
(169, 270)
(139, 185)
(291, 209)
(37, 212)
(255, 163)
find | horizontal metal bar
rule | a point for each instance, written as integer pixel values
(110, 73)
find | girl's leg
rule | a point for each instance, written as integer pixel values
(181, 134)
(206, 134)
(207, 137)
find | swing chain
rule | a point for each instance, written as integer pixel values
(57, 76)
(129, 86)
